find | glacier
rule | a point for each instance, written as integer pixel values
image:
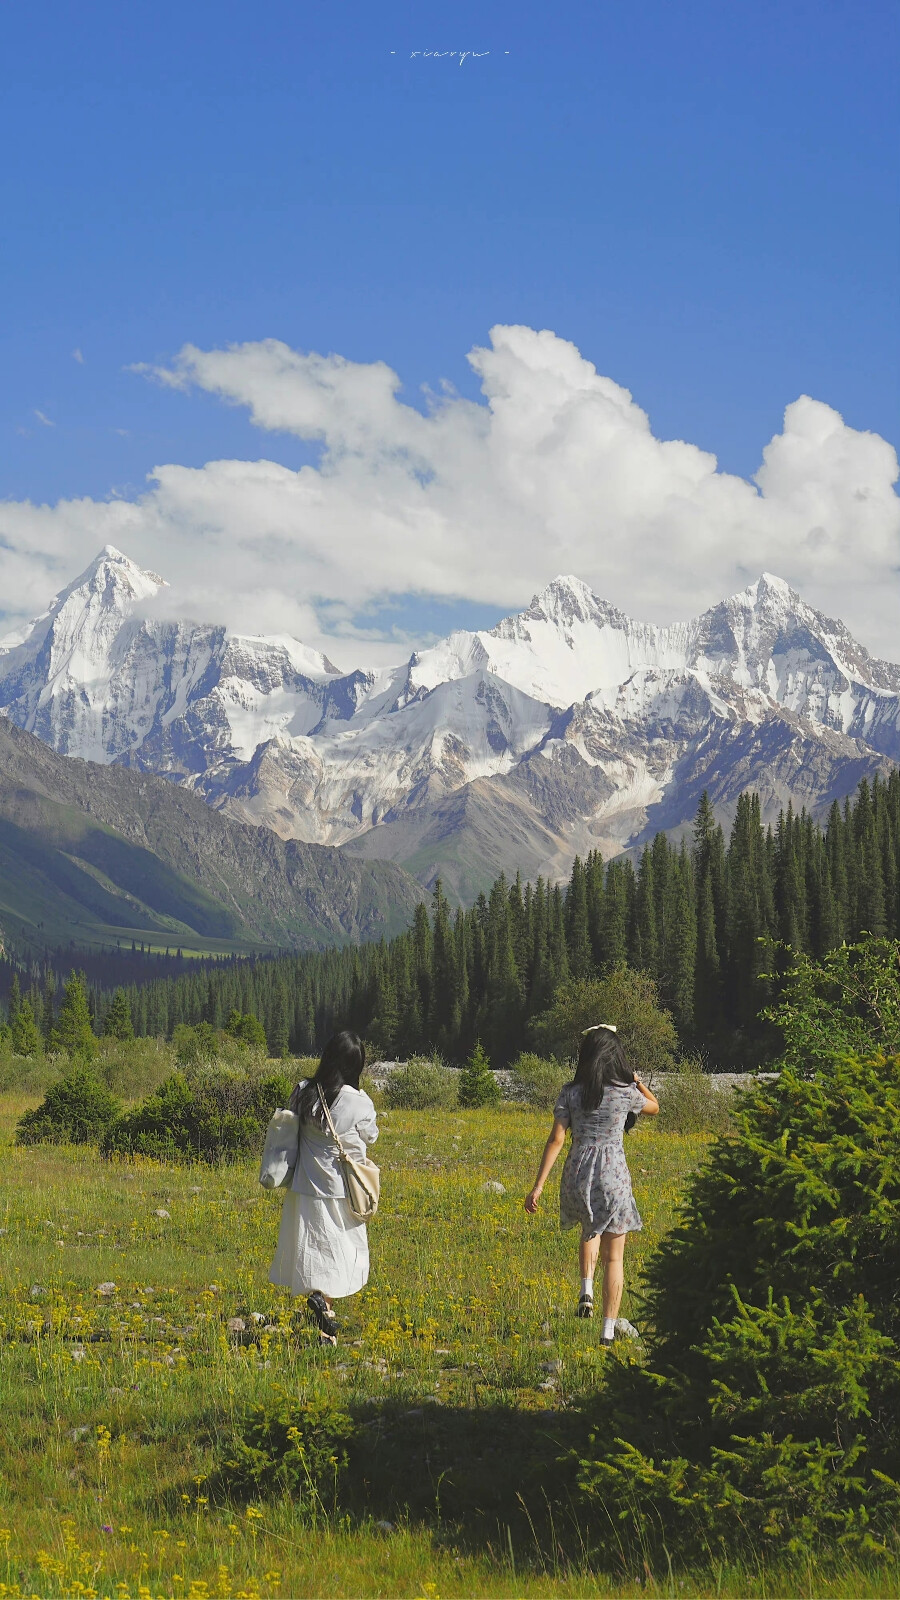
(568, 726)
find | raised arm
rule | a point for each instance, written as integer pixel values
(651, 1104)
(551, 1150)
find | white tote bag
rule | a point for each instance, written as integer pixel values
(362, 1179)
(279, 1156)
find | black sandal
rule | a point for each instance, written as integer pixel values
(585, 1306)
(322, 1316)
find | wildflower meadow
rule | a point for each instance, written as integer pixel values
(138, 1329)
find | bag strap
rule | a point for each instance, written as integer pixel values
(328, 1118)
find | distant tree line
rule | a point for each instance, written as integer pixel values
(700, 917)
(103, 966)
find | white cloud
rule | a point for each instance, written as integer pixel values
(77, 356)
(558, 471)
(44, 419)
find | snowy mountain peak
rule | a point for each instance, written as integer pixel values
(566, 600)
(116, 577)
(581, 718)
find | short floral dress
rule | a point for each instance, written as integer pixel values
(595, 1193)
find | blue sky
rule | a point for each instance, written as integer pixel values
(702, 198)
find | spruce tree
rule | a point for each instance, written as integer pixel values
(477, 1084)
(578, 938)
(681, 952)
(73, 1032)
(594, 883)
(26, 1035)
(118, 1023)
(15, 1000)
(646, 942)
(615, 915)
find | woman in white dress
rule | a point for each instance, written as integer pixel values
(599, 1105)
(323, 1251)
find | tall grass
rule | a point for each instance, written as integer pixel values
(461, 1359)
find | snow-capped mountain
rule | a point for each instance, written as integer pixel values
(566, 726)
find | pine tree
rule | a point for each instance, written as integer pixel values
(477, 1084)
(73, 1032)
(442, 969)
(118, 1023)
(615, 915)
(646, 943)
(681, 952)
(15, 1000)
(594, 881)
(26, 1035)
(578, 938)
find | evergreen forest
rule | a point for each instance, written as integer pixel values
(707, 918)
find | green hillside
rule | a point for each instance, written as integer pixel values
(98, 855)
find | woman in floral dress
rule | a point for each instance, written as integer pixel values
(595, 1193)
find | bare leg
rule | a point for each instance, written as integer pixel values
(588, 1251)
(612, 1252)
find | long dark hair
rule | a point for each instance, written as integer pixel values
(601, 1060)
(342, 1061)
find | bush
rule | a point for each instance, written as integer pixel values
(289, 1447)
(195, 1046)
(422, 1085)
(477, 1084)
(689, 1102)
(628, 999)
(205, 1116)
(766, 1410)
(133, 1068)
(79, 1109)
(537, 1080)
(247, 1029)
(847, 1002)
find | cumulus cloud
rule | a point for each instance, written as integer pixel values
(558, 470)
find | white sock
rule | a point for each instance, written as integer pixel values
(587, 1287)
(609, 1327)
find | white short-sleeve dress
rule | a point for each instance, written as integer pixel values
(320, 1245)
(595, 1192)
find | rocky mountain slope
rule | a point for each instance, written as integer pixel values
(565, 727)
(97, 855)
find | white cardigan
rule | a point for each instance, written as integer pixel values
(318, 1170)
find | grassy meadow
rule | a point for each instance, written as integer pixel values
(462, 1361)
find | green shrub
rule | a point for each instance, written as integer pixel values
(537, 1080)
(422, 1085)
(290, 1447)
(847, 1002)
(30, 1074)
(247, 1029)
(79, 1109)
(203, 1116)
(133, 1068)
(628, 999)
(766, 1409)
(477, 1084)
(195, 1046)
(689, 1102)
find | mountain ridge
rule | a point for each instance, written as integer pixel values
(99, 855)
(577, 726)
